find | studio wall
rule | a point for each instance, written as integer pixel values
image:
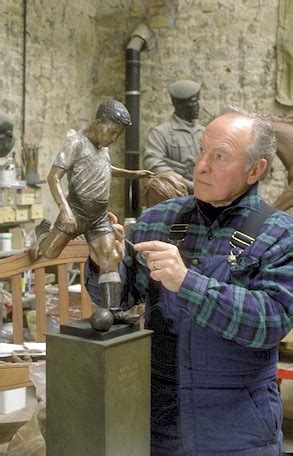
(60, 59)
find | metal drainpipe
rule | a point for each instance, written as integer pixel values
(137, 43)
(23, 114)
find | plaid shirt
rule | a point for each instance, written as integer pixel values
(254, 305)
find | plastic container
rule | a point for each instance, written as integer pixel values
(8, 177)
(5, 242)
(12, 400)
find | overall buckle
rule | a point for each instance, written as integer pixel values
(241, 240)
(178, 232)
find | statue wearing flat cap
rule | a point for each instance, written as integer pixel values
(174, 144)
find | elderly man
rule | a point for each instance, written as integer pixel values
(174, 145)
(215, 271)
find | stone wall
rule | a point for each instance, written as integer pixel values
(75, 58)
(11, 59)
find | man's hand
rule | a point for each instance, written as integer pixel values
(165, 263)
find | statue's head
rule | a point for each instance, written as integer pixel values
(112, 118)
(185, 98)
(6, 135)
(113, 111)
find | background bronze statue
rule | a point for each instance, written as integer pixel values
(163, 186)
(284, 134)
(7, 139)
(174, 144)
(8, 170)
(84, 157)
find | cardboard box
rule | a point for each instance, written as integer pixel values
(36, 211)
(7, 196)
(7, 214)
(12, 400)
(28, 195)
(17, 237)
(22, 213)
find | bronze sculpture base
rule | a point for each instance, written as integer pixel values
(83, 328)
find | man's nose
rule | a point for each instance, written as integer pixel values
(202, 164)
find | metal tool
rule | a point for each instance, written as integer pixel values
(141, 254)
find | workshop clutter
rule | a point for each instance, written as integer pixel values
(20, 204)
(29, 305)
(30, 438)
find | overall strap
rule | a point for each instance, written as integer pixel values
(240, 239)
(178, 229)
(251, 227)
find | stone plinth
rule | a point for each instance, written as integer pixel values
(98, 395)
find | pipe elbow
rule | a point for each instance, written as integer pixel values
(139, 37)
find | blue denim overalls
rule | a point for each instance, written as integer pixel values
(210, 396)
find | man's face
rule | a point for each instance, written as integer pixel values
(219, 175)
(108, 132)
(188, 109)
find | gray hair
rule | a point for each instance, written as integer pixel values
(263, 142)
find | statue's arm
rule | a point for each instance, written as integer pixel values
(54, 180)
(67, 217)
(129, 173)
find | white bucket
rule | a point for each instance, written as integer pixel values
(5, 242)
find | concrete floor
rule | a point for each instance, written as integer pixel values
(10, 422)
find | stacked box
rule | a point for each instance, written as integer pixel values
(19, 205)
(7, 196)
(7, 214)
(36, 211)
(28, 196)
(22, 213)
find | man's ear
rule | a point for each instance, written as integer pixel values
(257, 171)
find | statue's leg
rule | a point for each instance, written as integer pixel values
(104, 253)
(51, 242)
(103, 250)
(109, 285)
